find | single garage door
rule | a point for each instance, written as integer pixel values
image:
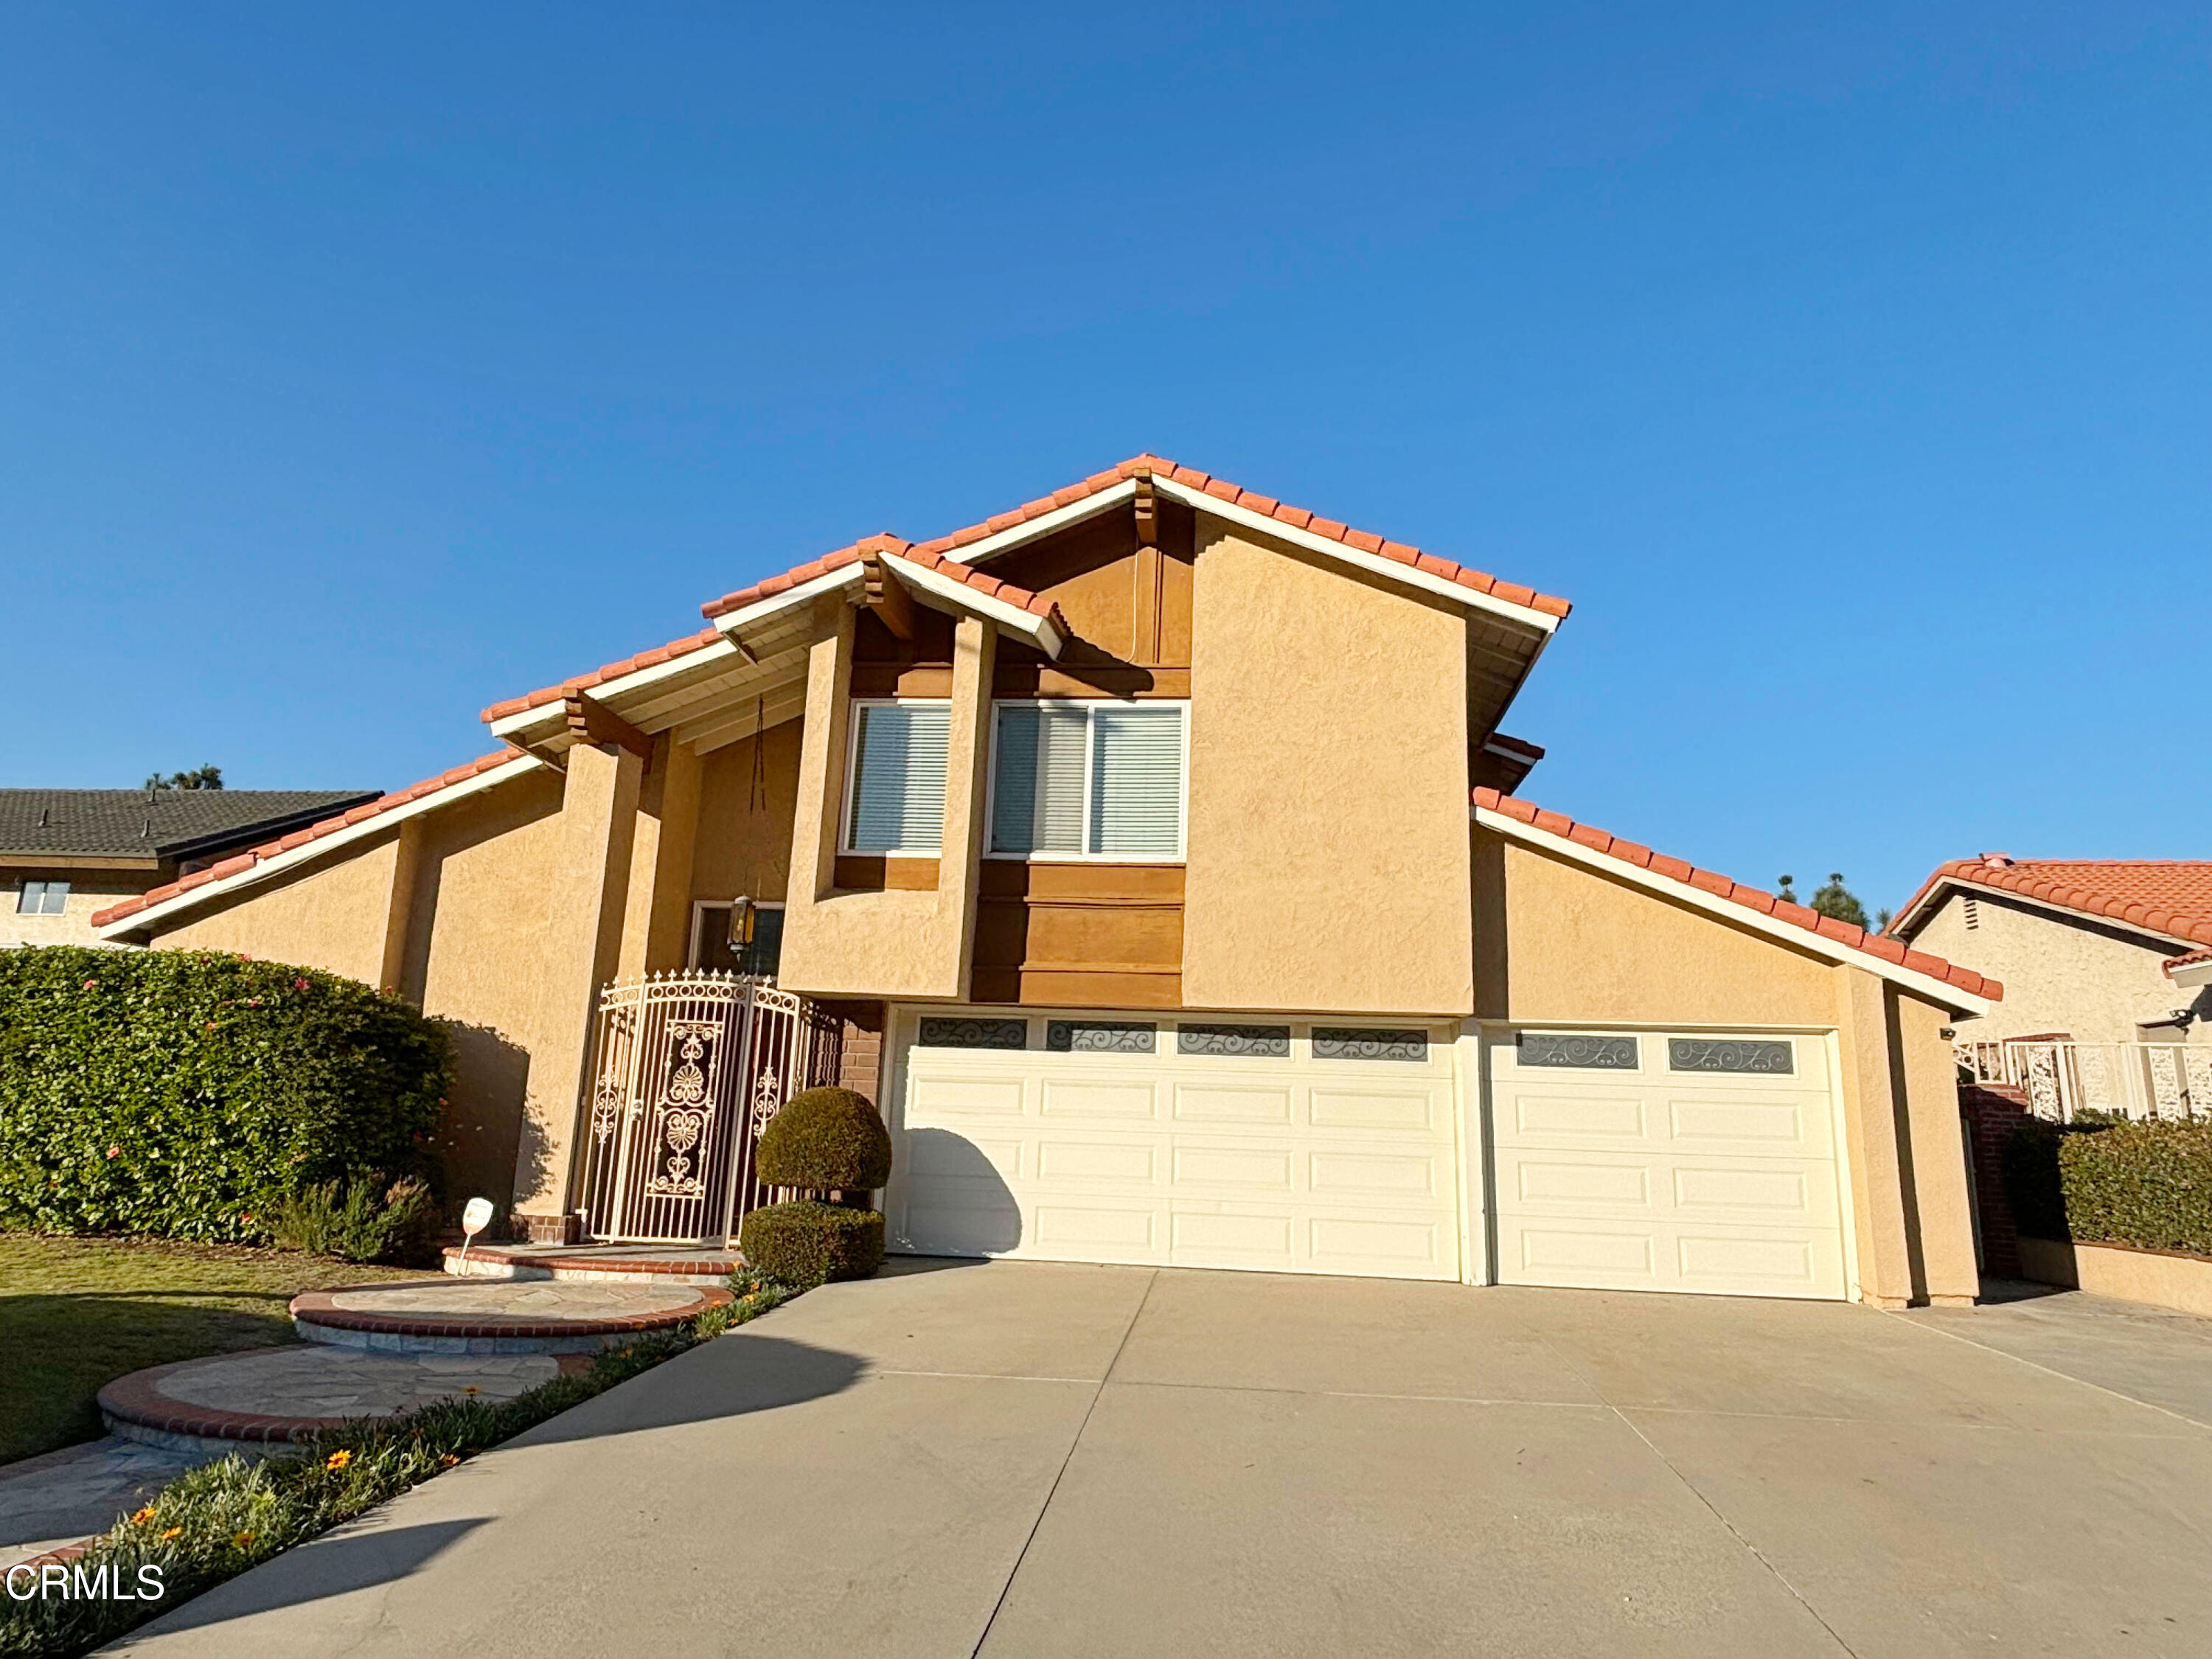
(1658, 1162)
(1134, 1137)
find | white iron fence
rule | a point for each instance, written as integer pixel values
(687, 1070)
(2132, 1079)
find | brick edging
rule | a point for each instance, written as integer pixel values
(137, 1399)
(319, 1307)
(705, 1264)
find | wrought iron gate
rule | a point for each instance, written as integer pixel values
(687, 1070)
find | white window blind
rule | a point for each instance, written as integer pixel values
(1038, 805)
(897, 792)
(1136, 782)
(1102, 781)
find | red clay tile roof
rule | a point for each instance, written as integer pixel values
(1298, 518)
(990, 586)
(1752, 898)
(239, 863)
(2188, 959)
(930, 558)
(932, 554)
(2172, 896)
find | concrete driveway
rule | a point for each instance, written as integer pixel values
(1017, 1459)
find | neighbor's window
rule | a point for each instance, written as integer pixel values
(1089, 781)
(42, 898)
(894, 793)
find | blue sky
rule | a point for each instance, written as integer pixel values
(1850, 368)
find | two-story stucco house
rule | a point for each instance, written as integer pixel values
(1148, 841)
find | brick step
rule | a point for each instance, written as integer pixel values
(594, 1264)
(498, 1316)
(261, 1401)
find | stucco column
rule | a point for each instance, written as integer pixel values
(657, 913)
(585, 902)
(966, 776)
(1878, 1169)
(1943, 1209)
(399, 912)
(822, 758)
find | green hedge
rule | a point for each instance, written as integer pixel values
(809, 1243)
(2146, 1183)
(189, 1094)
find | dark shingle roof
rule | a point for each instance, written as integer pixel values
(165, 823)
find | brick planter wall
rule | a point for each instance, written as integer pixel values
(1991, 1110)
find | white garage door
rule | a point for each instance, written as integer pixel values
(1135, 1138)
(1651, 1162)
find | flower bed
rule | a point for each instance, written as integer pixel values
(216, 1521)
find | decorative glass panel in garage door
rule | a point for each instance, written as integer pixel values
(1221, 1144)
(1703, 1163)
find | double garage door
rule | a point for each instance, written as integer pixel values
(1633, 1161)
(1137, 1138)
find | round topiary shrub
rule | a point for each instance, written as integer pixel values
(809, 1243)
(826, 1141)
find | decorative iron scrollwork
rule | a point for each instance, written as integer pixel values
(1706, 1055)
(1595, 1053)
(937, 1032)
(1245, 1042)
(1099, 1036)
(1368, 1042)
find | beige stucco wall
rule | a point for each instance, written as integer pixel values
(1558, 941)
(1326, 846)
(740, 848)
(2180, 1282)
(333, 914)
(900, 943)
(476, 938)
(1555, 940)
(90, 891)
(2058, 975)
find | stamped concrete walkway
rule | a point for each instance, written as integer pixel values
(1021, 1460)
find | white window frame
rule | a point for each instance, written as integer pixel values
(45, 890)
(699, 909)
(845, 848)
(1090, 728)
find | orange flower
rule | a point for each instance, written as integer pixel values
(173, 1532)
(337, 1460)
(142, 1516)
(242, 1540)
(472, 1389)
(447, 1460)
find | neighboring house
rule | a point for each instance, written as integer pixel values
(2083, 946)
(65, 853)
(1151, 860)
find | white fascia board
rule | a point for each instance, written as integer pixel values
(271, 869)
(845, 575)
(1374, 563)
(961, 597)
(1936, 990)
(1044, 524)
(2196, 973)
(1950, 886)
(547, 713)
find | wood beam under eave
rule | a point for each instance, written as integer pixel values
(593, 722)
(882, 593)
(710, 732)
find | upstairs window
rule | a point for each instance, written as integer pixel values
(894, 783)
(42, 898)
(1089, 781)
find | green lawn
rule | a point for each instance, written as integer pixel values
(76, 1313)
